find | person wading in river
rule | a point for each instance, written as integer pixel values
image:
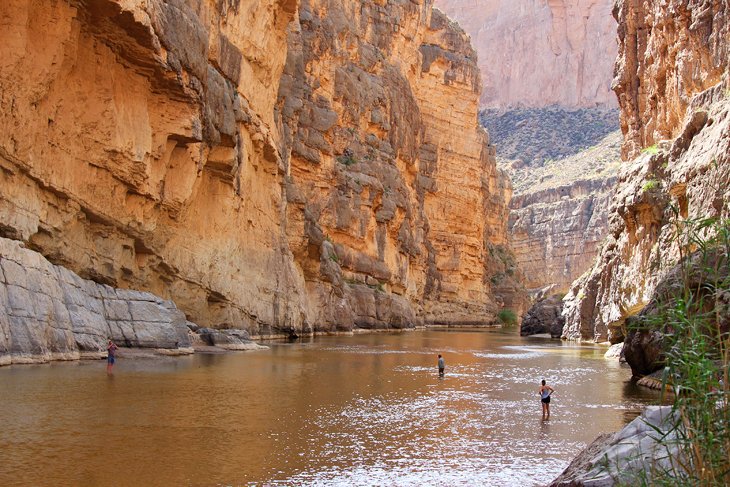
(442, 366)
(545, 392)
(111, 350)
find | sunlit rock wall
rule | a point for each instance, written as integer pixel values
(272, 165)
(672, 82)
(394, 195)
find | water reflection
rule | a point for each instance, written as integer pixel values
(362, 410)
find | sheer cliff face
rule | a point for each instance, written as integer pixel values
(541, 52)
(394, 188)
(672, 81)
(683, 52)
(271, 165)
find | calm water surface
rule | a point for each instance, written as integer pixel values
(362, 410)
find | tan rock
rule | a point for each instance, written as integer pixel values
(541, 52)
(660, 69)
(688, 174)
(205, 153)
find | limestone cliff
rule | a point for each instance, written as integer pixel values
(272, 165)
(541, 52)
(402, 194)
(678, 54)
(563, 164)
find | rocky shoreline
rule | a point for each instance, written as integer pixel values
(646, 445)
(49, 313)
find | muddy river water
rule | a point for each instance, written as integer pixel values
(348, 410)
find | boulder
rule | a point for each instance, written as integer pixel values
(629, 457)
(49, 313)
(228, 339)
(544, 317)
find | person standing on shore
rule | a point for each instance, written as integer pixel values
(545, 392)
(442, 366)
(111, 349)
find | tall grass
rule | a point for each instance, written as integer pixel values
(694, 313)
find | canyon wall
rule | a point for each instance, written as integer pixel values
(546, 68)
(672, 82)
(563, 165)
(538, 53)
(271, 165)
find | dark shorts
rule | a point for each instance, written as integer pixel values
(110, 360)
(441, 370)
(546, 400)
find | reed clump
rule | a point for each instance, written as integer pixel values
(692, 311)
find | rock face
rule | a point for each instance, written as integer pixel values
(545, 316)
(686, 175)
(556, 232)
(563, 165)
(630, 457)
(270, 165)
(668, 53)
(541, 52)
(50, 313)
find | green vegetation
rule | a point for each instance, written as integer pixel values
(347, 158)
(650, 184)
(507, 317)
(378, 288)
(652, 149)
(693, 314)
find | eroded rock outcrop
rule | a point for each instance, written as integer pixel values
(396, 203)
(541, 52)
(668, 53)
(270, 165)
(639, 453)
(50, 313)
(545, 316)
(563, 164)
(683, 177)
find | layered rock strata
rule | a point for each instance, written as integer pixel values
(556, 232)
(684, 177)
(563, 165)
(395, 196)
(541, 52)
(50, 313)
(270, 165)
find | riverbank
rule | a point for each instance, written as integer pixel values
(49, 313)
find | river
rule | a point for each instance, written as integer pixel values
(347, 410)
